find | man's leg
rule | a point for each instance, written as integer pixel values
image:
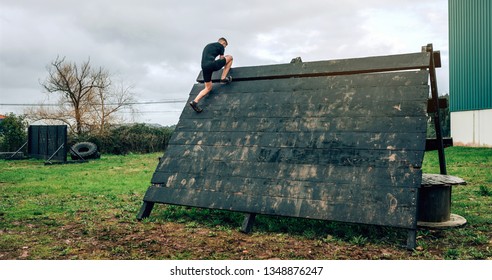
(203, 92)
(227, 66)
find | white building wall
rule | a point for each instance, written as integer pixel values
(472, 128)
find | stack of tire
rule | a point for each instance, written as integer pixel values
(84, 151)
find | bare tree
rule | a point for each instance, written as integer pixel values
(88, 100)
(104, 104)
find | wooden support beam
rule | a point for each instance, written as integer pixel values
(437, 118)
(328, 68)
(412, 239)
(249, 220)
(443, 104)
(432, 144)
(145, 210)
(437, 59)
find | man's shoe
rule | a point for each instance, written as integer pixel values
(195, 107)
(227, 80)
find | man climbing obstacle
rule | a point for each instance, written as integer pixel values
(209, 65)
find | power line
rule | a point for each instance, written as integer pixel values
(149, 112)
(155, 102)
(25, 104)
(128, 103)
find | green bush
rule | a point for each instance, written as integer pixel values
(13, 133)
(136, 138)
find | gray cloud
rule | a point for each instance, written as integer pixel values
(156, 45)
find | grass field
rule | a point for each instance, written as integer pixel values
(87, 211)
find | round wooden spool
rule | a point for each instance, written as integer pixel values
(434, 205)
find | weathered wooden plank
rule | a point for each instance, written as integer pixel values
(392, 208)
(328, 194)
(328, 68)
(315, 96)
(280, 188)
(431, 180)
(341, 157)
(310, 105)
(299, 188)
(329, 109)
(366, 176)
(311, 124)
(320, 140)
(382, 80)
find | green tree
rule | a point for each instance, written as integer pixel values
(13, 133)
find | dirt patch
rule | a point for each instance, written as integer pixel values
(169, 240)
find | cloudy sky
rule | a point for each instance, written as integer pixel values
(155, 45)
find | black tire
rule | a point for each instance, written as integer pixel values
(87, 150)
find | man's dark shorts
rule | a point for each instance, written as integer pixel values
(209, 68)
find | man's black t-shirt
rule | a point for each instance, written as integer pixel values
(210, 52)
